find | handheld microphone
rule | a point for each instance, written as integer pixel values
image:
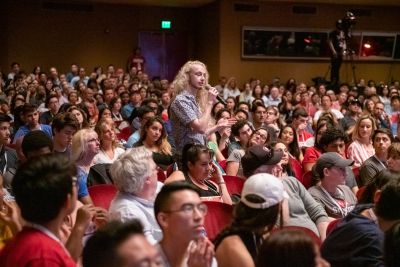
(219, 98)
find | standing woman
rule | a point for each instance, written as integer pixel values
(85, 146)
(153, 136)
(109, 145)
(190, 110)
(361, 148)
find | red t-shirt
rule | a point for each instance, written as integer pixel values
(311, 155)
(32, 248)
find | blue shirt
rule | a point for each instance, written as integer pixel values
(82, 183)
(23, 130)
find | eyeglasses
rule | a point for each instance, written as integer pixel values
(263, 137)
(189, 208)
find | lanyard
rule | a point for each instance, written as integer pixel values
(342, 212)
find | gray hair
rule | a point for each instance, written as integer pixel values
(131, 169)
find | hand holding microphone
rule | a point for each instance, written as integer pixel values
(214, 91)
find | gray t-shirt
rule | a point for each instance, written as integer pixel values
(335, 207)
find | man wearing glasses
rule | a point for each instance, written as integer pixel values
(180, 214)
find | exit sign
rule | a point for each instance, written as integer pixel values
(165, 24)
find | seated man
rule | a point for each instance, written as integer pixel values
(357, 240)
(180, 214)
(382, 139)
(337, 199)
(120, 244)
(45, 191)
(135, 176)
(31, 118)
(8, 156)
(64, 127)
(333, 140)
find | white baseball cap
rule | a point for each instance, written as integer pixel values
(266, 186)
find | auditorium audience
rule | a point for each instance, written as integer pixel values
(121, 98)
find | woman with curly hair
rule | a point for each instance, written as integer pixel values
(153, 136)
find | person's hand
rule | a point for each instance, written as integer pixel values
(225, 133)
(212, 95)
(11, 216)
(101, 217)
(225, 123)
(216, 174)
(201, 253)
(84, 216)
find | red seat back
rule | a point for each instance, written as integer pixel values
(332, 226)
(356, 172)
(102, 194)
(309, 232)
(219, 216)
(360, 192)
(234, 184)
(124, 133)
(161, 175)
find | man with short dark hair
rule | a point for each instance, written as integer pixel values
(259, 115)
(180, 213)
(134, 102)
(241, 131)
(353, 113)
(45, 191)
(53, 104)
(31, 118)
(8, 156)
(120, 244)
(300, 123)
(381, 139)
(64, 127)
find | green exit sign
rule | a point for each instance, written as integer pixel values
(165, 24)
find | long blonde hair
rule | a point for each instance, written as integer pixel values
(356, 132)
(181, 83)
(79, 144)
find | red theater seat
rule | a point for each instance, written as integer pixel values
(102, 195)
(234, 184)
(219, 216)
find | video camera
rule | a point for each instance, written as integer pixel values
(346, 22)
